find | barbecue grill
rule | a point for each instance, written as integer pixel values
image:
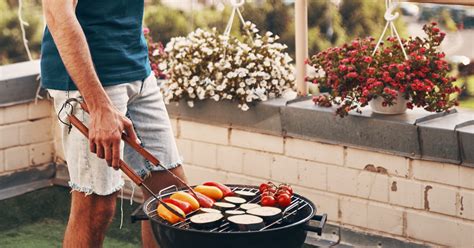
(287, 232)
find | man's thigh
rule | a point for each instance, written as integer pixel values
(150, 119)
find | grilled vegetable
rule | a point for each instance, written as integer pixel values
(233, 212)
(185, 206)
(225, 190)
(247, 206)
(183, 196)
(210, 191)
(269, 214)
(235, 200)
(247, 195)
(286, 187)
(284, 200)
(169, 216)
(268, 200)
(246, 222)
(223, 206)
(204, 201)
(209, 210)
(206, 220)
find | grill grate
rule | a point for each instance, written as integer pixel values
(289, 212)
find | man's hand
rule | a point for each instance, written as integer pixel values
(107, 125)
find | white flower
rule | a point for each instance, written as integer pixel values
(206, 65)
(190, 104)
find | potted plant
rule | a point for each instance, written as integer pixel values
(209, 65)
(354, 75)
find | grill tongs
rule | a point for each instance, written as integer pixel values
(122, 165)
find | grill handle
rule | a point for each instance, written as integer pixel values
(317, 229)
(138, 214)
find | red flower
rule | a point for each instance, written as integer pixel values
(352, 75)
(342, 67)
(146, 31)
(371, 70)
(368, 59)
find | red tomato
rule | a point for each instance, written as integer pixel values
(263, 187)
(268, 201)
(284, 200)
(286, 187)
(282, 191)
(185, 206)
(271, 190)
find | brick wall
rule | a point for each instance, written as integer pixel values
(414, 200)
(26, 137)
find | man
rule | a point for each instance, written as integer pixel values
(96, 50)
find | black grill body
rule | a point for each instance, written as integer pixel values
(288, 232)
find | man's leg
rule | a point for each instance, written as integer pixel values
(89, 219)
(157, 181)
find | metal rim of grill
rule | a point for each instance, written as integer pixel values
(298, 202)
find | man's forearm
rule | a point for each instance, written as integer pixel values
(74, 50)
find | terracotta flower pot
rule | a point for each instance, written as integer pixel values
(399, 106)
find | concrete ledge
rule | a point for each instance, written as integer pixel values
(443, 137)
(24, 181)
(263, 117)
(18, 83)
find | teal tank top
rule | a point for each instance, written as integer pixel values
(113, 29)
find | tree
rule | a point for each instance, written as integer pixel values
(362, 18)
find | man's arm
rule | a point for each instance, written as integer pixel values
(107, 123)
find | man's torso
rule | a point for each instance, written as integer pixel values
(113, 29)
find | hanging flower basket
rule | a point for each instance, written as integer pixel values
(209, 65)
(357, 73)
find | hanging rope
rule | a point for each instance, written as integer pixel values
(23, 23)
(22, 27)
(236, 4)
(390, 18)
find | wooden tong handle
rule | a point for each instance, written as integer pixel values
(123, 166)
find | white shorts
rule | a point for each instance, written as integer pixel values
(142, 102)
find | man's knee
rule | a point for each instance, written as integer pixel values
(99, 209)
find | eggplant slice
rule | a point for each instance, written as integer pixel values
(246, 222)
(248, 206)
(206, 220)
(268, 214)
(223, 206)
(209, 210)
(235, 200)
(228, 213)
(247, 195)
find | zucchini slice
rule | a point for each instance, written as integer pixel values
(267, 213)
(206, 220)
(246, 222)
(248, 206)
(223, 206)
(235, 200)
(228, 213)
(245, 194)
(209, 210)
